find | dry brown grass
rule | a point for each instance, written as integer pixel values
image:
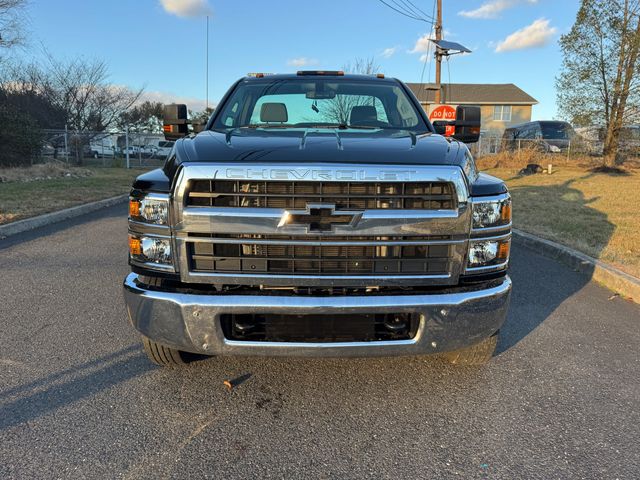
(521, 158)
(44, 171)
(595, 213)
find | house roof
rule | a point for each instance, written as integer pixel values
(474, 93)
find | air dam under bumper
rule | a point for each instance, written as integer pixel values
(191, 322)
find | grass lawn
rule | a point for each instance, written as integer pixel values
(19, 199)
(595, 213)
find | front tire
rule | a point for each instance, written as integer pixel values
(478, 354)
(163, 355)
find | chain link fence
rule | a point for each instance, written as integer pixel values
(491, 144)
(107, 149)
(130, 149)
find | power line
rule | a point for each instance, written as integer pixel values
(413, 7)
(405, 7)
(405, 13)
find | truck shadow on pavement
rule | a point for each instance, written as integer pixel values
(40, 397)
(542, 284)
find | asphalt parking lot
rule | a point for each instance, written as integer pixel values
(78, 398)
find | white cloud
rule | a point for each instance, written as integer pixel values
(302, 62)
(538, 34)
(422, 44)
(192, 103)
(389, 52)
(187, 8)
(492, 8)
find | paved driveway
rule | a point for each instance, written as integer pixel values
(78, 398)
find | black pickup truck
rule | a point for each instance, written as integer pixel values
(319, 214)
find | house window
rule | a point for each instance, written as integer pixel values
(502, 113)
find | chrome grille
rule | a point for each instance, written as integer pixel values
(309, 255)
(345, 195)
(409, 224)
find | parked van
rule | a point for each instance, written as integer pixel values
(164, 148)
(550, 136)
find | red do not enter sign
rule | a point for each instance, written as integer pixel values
(444, 113)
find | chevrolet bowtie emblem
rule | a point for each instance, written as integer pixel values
(319, 218)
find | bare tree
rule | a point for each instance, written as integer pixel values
(91, 104)
(362, 66)
(201, 117)
(23, 85)
(339, 109)
(599, 82)
(143, 117)
(12, 15)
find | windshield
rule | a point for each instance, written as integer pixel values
(320, 103)
(556, 130)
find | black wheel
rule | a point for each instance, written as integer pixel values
(163, 355)
(95, 155)
(477, 354)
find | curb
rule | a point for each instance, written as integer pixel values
(54, 217)
(608, 275)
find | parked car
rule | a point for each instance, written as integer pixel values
(164, 149)
(140, 151)
(102, 151)
(549, 136)
(286, 230)
(47, 150)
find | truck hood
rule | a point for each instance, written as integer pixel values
(318, 146)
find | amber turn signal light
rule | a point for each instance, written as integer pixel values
(506, 213)
(503, 250)
(135, 248)
(134, 208)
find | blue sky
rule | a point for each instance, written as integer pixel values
(159, 44)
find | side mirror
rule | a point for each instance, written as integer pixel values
(440, 126)
(467, 124)
(176, 124)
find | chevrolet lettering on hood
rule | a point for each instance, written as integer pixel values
(328, 174)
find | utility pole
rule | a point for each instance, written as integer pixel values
(439, 54)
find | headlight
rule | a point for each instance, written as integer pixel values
(150, 250)
(151, 208)
(488, 253)
(492, 213)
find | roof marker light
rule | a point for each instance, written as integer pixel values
(333, 73)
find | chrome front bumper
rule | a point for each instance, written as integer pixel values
(191, 322)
